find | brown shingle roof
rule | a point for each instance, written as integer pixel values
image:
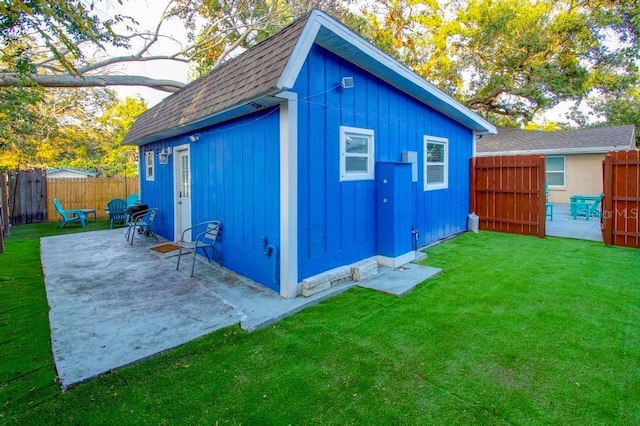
(597, 139)
(248, 76)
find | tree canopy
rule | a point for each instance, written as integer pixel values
(512, 59)
(79, 128)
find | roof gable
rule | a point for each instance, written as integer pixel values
(589, 140)
(248, 82)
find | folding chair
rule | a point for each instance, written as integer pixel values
(206, 238)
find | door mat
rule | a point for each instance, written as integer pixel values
(165, 248)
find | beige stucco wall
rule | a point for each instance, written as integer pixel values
(583, 176)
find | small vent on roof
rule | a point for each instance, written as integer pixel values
(257, 105)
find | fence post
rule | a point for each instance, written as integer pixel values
(542, 197)
(4, 186)
(4, 209)
(606, 223)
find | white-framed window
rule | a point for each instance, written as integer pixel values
(436, 163)
(356, 153)
(149, 165)
(556, 171)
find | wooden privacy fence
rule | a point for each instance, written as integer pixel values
(87, 193)
(621, 203)
(27, 197)
(507, 193)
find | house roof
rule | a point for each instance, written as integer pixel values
(70, 170)
(511, 141)
(250, 81)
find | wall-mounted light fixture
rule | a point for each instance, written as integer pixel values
(347, 83)
(194, 138)
(163, 156)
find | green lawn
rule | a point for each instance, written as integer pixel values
(517, 330)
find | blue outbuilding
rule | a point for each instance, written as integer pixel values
(316, 144)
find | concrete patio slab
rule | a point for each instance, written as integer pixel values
(399, 281)
(112, 304)
(563, 225)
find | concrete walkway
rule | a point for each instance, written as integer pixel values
(113, 304)
(563, 225)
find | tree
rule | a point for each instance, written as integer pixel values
(231, 26)
(511, 59)
(44, 41)
(621, 109)
(21, 125)
(79, 128)
(117, 120)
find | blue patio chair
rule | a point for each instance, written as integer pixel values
(117, 209)
(204, 239)
(132, 199)
(70, 216)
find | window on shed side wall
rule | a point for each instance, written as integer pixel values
(556, 171)
(356, 153)
(149, 165)
(436, 163)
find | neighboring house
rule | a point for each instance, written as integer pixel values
(312, 142)
(574, 157)
(64, 172)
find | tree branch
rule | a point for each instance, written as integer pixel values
(67, 80)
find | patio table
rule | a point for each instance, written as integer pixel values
(88, 212)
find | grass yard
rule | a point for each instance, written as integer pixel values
(517, 330)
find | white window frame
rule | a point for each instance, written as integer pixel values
(564, 171)
(367, 133)
(149, 166)
(445, 163)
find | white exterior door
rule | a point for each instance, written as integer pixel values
(182, 178)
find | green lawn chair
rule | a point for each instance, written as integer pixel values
(69, 216)
(117, 211)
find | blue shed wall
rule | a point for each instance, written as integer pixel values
(234, 179)
(337, 220)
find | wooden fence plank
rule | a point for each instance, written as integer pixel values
(508, 193)
(93, 193)
(621, 206)
(27, 195)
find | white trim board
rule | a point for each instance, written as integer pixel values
(288, 194)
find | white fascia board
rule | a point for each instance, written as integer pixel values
(558, 151)
(300, 52)
(390, 68)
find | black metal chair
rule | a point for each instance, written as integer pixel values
(205, 238)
